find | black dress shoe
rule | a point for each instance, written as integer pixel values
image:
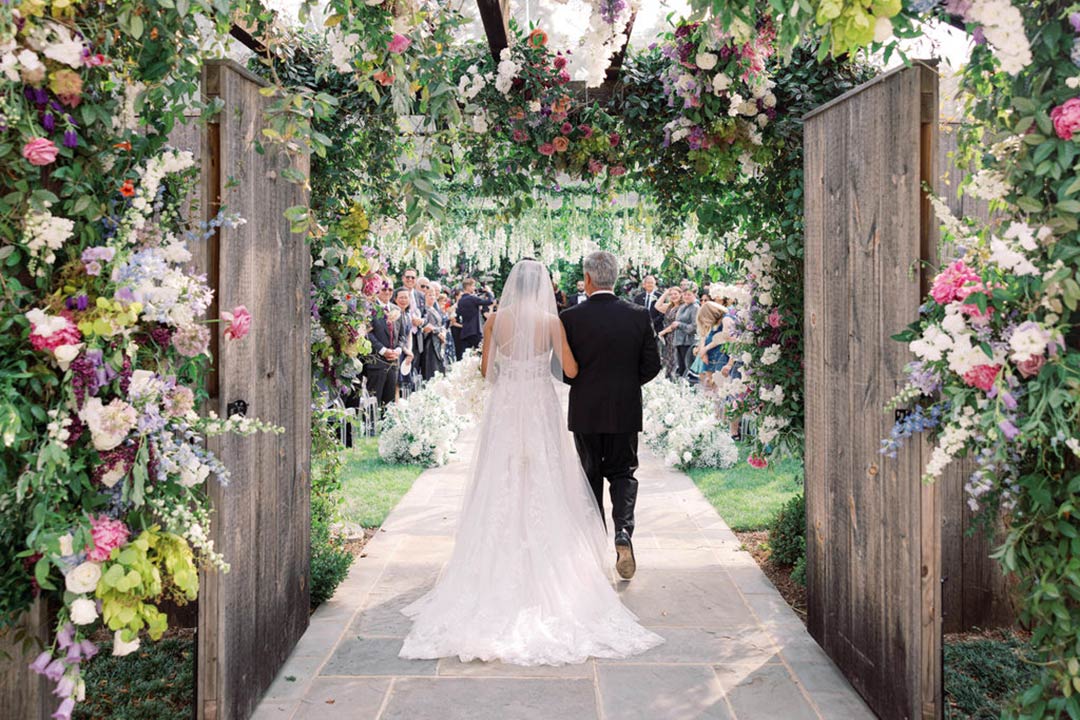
(625, 564)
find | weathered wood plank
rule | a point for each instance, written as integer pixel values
(25, 695)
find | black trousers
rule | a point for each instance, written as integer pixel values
(682, 359)
(612, 456)
(382, 380)
(473, 341)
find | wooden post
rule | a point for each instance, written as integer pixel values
(494, 16)
(25, 695)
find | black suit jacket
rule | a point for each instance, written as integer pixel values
(615, 348)
(655, 316)
(469, 310)
(574, 299)
(379, 336)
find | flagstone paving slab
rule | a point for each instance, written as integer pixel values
(735, 650)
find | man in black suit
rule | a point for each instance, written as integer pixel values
(381, 370)
(577, 297)
(647, 297)
(470, 309)
(615, 348)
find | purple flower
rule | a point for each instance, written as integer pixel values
(74, 653)
(89, 648)
(71, 138)
(93, 268)
(64, 711)
(1008, 399)
(1074, 20)
(66, 636)
(124, 295)
(65, 688)
(41, 663)
(48, 121)
(55, 670)
(1008, 429)
(978, 36)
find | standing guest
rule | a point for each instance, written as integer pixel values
(448, 311)
(686, 284)
(415, 310)
(578, 296)
(668, 306)
(729, 334)
(471, 308)
(435, 332)
(710, 350)
(381, 372)
(456, 326)
(686, 331)
(560, 297)
(404, 325)
(647, 298)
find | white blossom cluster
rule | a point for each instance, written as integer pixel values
(1003, 26)
(603, 40)
(680, 425)
(44, 234)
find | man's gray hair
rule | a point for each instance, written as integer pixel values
(603, 268)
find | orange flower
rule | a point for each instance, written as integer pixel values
(127, 189)
(126, 146)
(562, 105)
(384, 78)
(538, 38)
(561, 144)
(516, 113)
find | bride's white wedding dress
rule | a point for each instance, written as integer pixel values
(527, 582)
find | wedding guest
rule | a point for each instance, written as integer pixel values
(450, 353)
(456, 326)
(471, 309)
(404, 325)
(686, 331)
(578, 296)
(381, 369)
(415, 309)
(435, 331)
(647, 298)
(710, 349)
(668, 306)
(560, 297)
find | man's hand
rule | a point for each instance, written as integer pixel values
(417, 321)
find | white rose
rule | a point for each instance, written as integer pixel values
(120, 647)
(720, 83)
(706, 60)
(83, 578)
(64, 354)
(765, 299)
(83, 611)
(66, 547)
(769, 100)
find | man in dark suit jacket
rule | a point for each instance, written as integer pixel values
(470, 309)
(647, 297)
(381, 370)
(615, 348)
(577, 297)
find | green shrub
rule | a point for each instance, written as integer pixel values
(798, 572)
(787, 533)
(981, 676)
(156, 682)
(330, 560)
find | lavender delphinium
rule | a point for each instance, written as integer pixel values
(917, 421)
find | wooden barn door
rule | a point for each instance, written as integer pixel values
(873, 528)
(251, 617)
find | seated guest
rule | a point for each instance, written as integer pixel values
(471, 309)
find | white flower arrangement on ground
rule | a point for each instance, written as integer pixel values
(680, 426)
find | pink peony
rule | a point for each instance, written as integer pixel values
(239, 321)
(398, 44)
(560, 62)
(372, 283)
(982, 376)
(950, 282)
(39, 151)
(179, 401)
(107, 534)
(1066, 118)
(48, 332)
(757, 462)
(547, 149)
(774, 318)
(1030, 368)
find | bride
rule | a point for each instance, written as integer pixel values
(526, 583)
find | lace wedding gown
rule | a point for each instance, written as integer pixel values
(527, 582)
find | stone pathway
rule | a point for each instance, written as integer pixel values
(734, 648)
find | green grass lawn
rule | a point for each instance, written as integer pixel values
(747, 498)
(370, 487)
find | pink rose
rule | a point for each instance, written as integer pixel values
(614, 139)
(586, 130)
(520, 135)
(547, 149)
(107, 534)
(757, 462)
(566, 128)
(595, 166)
(1066, 118)
(1030, 368)
(399, 44)
(982, 376)
(560, 62)
(949, 283)
(239, 321)
(774, 318)
(617, 170)
(39, 151)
